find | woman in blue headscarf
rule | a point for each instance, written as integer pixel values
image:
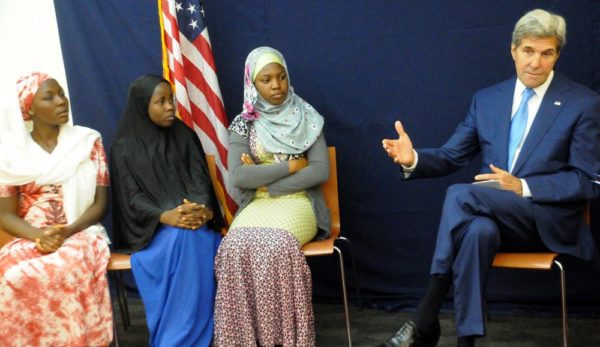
(278, 159)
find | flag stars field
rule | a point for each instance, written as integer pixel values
(192, 8)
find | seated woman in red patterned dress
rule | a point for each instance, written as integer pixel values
(53, 193)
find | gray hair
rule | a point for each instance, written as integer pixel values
(541, 24)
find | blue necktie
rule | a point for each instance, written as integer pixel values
(517, 125)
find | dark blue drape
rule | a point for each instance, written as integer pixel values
(362, 64)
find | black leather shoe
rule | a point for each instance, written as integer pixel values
(410, 336)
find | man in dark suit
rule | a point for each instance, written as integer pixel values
(539, 137)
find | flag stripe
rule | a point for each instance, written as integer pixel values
(213, 100)
(195, 57)
(190, 92)
(197, 98)
(203, 45)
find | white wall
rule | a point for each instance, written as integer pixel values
(28, 42)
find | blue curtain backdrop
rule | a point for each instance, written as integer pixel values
(362, 64)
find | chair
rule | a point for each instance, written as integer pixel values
(541, 261)
(327, 246)
(321, 247)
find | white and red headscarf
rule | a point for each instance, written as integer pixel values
(23, 161)
(27, 86)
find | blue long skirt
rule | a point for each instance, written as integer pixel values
(175, 277)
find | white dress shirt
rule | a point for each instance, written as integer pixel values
(533, 107)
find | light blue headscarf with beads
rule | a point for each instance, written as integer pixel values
(289, 128)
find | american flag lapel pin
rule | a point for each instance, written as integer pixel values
(557, 103)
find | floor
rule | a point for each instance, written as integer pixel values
(370, 327)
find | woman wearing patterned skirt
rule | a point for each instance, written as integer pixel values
(278, 159)
(53, 192)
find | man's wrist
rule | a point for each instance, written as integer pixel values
(525, 188)
(411, 168)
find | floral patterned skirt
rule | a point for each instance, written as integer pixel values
(56, 299)
(264, 291)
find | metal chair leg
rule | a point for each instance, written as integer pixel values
(356, 278)
(115, 332)
(345, 295)
(563, 296)
(123, 300)
(114, 321)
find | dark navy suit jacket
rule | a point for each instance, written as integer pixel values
(559, 160)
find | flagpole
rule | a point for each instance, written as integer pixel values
(165, 61)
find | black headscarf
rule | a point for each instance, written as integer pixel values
(153, 169)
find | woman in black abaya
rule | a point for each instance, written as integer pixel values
(164, 209)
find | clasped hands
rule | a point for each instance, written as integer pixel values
(51, 238)
(401, 150)
(189, 215)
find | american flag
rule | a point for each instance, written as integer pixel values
(189, 65)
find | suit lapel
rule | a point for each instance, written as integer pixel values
(550, 108)
(504, 107)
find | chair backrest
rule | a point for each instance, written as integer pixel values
(219, 190)
(330, 192)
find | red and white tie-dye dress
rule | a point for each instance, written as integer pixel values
(61, 298)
